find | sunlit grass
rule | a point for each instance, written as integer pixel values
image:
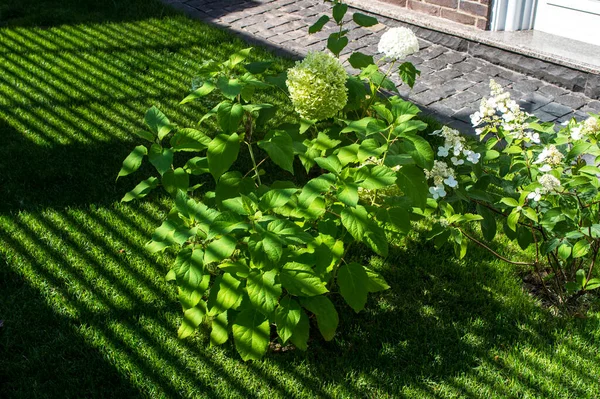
(87, 311)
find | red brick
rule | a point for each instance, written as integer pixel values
(482, 24)
(444, 3)
(401, 3)
(472, 8)
(458, 17)
(424, 8)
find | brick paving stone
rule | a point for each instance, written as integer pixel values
(571, 100)
(427, 97)
(526, 86)
(556, 109)
(538, 100)
(552, 90)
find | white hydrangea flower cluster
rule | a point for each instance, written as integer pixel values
(549, 184)
(317, 86)
(589, 127)
(455, 147)
(442, 176)
(500, 110)
(398, 43)
(549, 157)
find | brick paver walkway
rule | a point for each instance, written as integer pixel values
(451, 82)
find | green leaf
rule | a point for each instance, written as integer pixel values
(376, 283)
(510, 202)
(200, 92)
(191, 320)
(408, 73)
(133, 161)
(188, 269)
(354, 282)
(327, 316)
(419, 149)
(300, 336)
(369, 148)
(265, 247)
(375, 177)
(513, 219)
(488, 223)
(230, 88)
(189, 140)
(263, 291)
(220, 249)
(158, 122)
(338, 12)
(276, 198)
(348, 154)
(356, 221)
(331, 163)
(592, 284)
(219, 332)
(229, 116)
(161, 158)
(222, 153)
(348, 193)
(317, 26)
(239, 56)
(375, 238)
(278, 144)
(225, 293)
(251, 334)
(146, 135)
(411, 180)
(364, 20)
(287, 317)
(258, 67)
(300, 279)
(564, 251)
(173, 180)
(141, 190)
(197, 166)
(336, 44)
(580, 278)
(359, 60)
(581, 248)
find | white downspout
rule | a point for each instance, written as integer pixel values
(511, 15)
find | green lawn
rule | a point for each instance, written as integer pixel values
(86, 310)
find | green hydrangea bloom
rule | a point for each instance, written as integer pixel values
(317, 86)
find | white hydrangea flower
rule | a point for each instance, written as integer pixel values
(451, 182)
(550, 156)
(398, 43)
(317, 86)
(472, 156)
(443, 151)
(535, 195)
(576, 133)
(456, 161)
(545, 168)
(437, 191)
(549, 182)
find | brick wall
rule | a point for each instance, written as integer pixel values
(468, 12)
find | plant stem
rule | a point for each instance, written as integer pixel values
(492, 251)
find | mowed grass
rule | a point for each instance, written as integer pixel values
(86, 310)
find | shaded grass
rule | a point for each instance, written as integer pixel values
(87, 312)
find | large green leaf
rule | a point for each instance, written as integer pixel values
(354, 283)
(317, 26)
(219, 249)
(230, 88)
(364, 20)
(375, 177)
(266, 249)
(419, 149)
(191, 320)
(331, 163)
(359, 60)
(376, 283)
(189, 140)
(348, 193)
(276, 198)
(225, 293)
(133, 161)
(279, 145)
(200, 92)
(192, 283)
(158, 122)
(300, 336)
(411, 180)
(287, 317)
(300, 279)
(336, 43)
(375, 238)
(161, 158)
(263, 291)
(141, 190)
(327, 316)
(219, 332)
(229, 116)
(356, 221)
(251, 334)
(408, 73)
(222, 153)
(173, 180)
